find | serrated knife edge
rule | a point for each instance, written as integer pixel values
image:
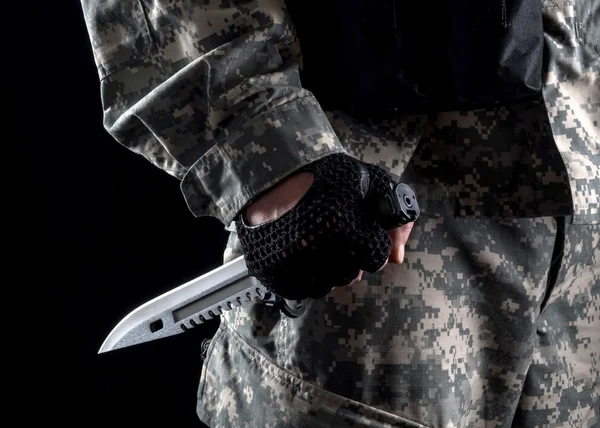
(171, 310)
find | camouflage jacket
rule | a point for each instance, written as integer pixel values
(211, 92)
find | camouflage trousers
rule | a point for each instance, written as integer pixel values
(493, 319)
(487, 323)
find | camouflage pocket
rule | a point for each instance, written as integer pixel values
(119, 33)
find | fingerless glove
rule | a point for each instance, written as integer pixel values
(326, 238)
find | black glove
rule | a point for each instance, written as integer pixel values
(329, 235)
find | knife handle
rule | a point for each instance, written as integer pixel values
(292, 309)
(398, 206)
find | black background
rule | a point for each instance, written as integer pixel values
(115, 233)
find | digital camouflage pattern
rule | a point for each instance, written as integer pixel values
(210, 92)
(572, 95)
(475, 328)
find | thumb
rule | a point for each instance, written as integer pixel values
(399, 237)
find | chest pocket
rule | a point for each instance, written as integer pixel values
(119, 33)
(445, 55)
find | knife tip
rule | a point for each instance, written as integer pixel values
(104, 348)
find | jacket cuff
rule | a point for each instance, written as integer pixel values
(256, 156)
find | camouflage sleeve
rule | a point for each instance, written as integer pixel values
(572, 97)
(209, 91)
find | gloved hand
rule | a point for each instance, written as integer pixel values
(327, 238)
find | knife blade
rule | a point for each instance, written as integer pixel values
(188, 305)
(230, 285)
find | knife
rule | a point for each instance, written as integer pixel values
(194, 303)
(230, 285)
